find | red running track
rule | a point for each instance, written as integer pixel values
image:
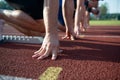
(88, 58)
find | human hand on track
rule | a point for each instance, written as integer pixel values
(73, 35)
(77, 31)
(50, 46)
(68, 36)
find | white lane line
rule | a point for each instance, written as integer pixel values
(3, 77)
(102, 36)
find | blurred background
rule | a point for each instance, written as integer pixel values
(109, 11)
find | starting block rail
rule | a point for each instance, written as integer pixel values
(18, 39)
(21, 39)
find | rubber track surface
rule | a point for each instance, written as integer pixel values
(88, 58)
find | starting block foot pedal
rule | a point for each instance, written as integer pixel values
(21, 39)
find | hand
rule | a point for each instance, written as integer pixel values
(68, 36)
(49, 46)
(77, 31)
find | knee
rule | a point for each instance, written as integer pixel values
(17, 13)
(9, 13)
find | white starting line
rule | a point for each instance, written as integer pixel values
(51, 73)
(3, 77)
(100, 36)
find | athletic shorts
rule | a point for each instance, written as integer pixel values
(86, 3)
(60, 16)
(33, 8)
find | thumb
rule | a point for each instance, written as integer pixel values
(54, 54)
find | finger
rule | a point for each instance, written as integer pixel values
(78, 33)
(82, 29)
(38, 54)
(72, 38)
(42, 56)
(45, 54)
(37, 51)
(66, 37)
(42, 47)
(35, 55)
(54, 54)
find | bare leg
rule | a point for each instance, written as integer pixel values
(24, 23)
(26, 31)
(22, 19)
(68, 10)
(51, 42)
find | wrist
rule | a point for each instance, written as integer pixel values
(55, 34)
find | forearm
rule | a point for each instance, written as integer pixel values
(79, 12)
(50, 16)
(50, 43)
(68, 10)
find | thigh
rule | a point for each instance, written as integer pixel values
(4, 12)
(23, 20)
(10, 15)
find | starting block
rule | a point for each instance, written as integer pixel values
(18, 39)
(21, 39)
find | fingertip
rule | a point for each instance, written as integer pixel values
(36, 52)
(54, 57)
(39, 58)
(72, 38)
(33, 56)
(42, 56)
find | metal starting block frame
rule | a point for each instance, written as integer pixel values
(21, 39)
(18, 39)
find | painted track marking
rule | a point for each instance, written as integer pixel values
(102, 36)
(51, 73)
(3, 77)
